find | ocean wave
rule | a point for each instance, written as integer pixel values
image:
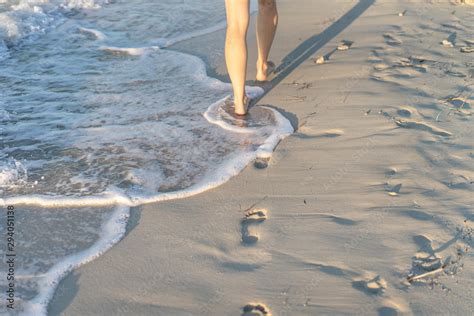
(104, 124)
(12, 174)
(128, 51)
(27, 17)
(113, 229)
(94, 34)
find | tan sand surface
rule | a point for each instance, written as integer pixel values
(367, 209)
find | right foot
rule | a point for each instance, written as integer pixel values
(241, 109)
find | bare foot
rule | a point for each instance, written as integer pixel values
(240, 108)
(264, 69)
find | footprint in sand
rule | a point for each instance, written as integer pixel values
(428, 264)
(403, 68)
(447, 44)
(425, 262)
(252, 218)
(375, 57)
(256, 309)
(415, 63)
(391, 39)
(261, 162)
(393, 190)
(381, 66)
(393, 307)
(387, 311)
(459, 103)
(457, 74)
(345, 45)
(405, 112)
(390, 172)
(459, 180)
(376, 285)
(367, 282)
(467, 49)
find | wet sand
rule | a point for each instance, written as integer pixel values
(365, 210)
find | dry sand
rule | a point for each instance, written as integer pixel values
(365, 210)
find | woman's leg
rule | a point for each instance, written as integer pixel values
(267, 22)
(236, 49)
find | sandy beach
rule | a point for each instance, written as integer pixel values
(367, 209)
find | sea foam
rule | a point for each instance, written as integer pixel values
(107, 122)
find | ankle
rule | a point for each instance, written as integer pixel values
(262, 68)
(240, 106)
(262, 65)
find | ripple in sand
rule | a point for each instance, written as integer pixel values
(422, 126)
(392, 39)
(376, 285)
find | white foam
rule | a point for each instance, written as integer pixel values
(114, 229)
(12, 173)
(214, 115)
(166, 42)
(233, 165)
(217, 115)
(26, 17)
(130, 51)
(9, 28)
(229, 169)
(98, 35)
(283, 129)
(127, 125)
(83, 4)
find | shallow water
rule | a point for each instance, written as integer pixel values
(100, 120)
(95, 111)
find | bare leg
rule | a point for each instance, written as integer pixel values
(267, 22)
(236, 49)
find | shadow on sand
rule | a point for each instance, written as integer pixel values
(311, 45)
(68, 287)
